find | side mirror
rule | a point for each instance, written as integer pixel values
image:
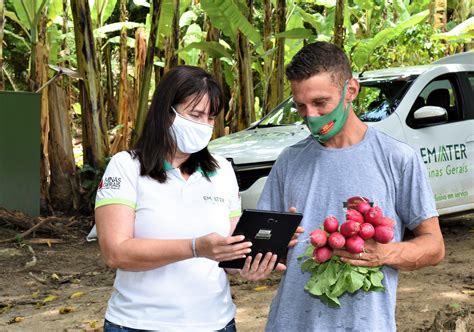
(430, 115)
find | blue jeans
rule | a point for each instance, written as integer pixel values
(111, 327)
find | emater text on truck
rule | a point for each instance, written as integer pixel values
(430, 107)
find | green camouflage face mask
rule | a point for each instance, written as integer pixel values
(326, 126)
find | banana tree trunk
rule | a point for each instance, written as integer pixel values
(172, 44)
(213, 35)
(140, 57)
(64, 189)
(158, 71)
(2, 25)
(144, 89)
(278, 78)
(95, 141)
(122, 134)
(339, 23)
(40, 65)
(438, 9)
(66, 85)
(34, 21)
(268, 58)
(112, 107)
(246, 110)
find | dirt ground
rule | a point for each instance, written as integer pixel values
(66, 286)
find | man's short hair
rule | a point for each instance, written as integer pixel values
(318, 58)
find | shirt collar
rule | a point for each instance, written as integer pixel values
(169, 167)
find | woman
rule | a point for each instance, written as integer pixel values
(164, 212)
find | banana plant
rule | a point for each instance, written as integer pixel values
(278, 59)
(227, 16)
(364, 48)
(232, 19)
(370, 32)
(122, 135)
(155, 11)
(462, 33)
(95, 140)
(101, 10)
(29, 13)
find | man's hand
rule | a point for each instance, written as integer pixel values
(425, 249)
(299, 230)
(375, 254)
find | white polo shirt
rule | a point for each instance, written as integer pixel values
(189, 295)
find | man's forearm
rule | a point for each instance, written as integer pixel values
(424, 250)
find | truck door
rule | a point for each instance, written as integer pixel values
(447, 146)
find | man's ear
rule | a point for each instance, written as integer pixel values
(352, 89)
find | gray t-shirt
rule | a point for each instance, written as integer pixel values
(317, 181)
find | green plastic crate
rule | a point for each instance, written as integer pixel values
(20, 151)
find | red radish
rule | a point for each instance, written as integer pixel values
(322, 254)
(336, 240)
(350, 228)
(363, 207)
(383, 234)
(387, 222)
(355, 244)
(367, 231)
(354, 215)
(374, 215)
(318, 238)
(331, 224)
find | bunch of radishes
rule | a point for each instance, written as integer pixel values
(363, 222)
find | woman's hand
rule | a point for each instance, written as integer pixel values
(220, 248)
(261, 266)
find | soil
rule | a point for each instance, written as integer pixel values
(65, 286)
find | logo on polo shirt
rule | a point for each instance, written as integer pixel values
(110, 182)
(213, 199)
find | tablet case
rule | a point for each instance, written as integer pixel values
(269, 231)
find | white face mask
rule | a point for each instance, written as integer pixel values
(191, 136)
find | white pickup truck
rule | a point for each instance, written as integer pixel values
(430, 107)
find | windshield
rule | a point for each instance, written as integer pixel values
(377, 99)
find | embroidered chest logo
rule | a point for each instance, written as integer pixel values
(110, 182)
(213, 199)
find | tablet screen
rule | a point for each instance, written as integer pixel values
(269, 231)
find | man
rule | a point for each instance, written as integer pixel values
(343, 158)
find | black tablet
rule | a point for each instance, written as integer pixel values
(269, 231)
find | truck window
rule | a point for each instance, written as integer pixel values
(442, 92)
(283, 115)
(378, 98)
